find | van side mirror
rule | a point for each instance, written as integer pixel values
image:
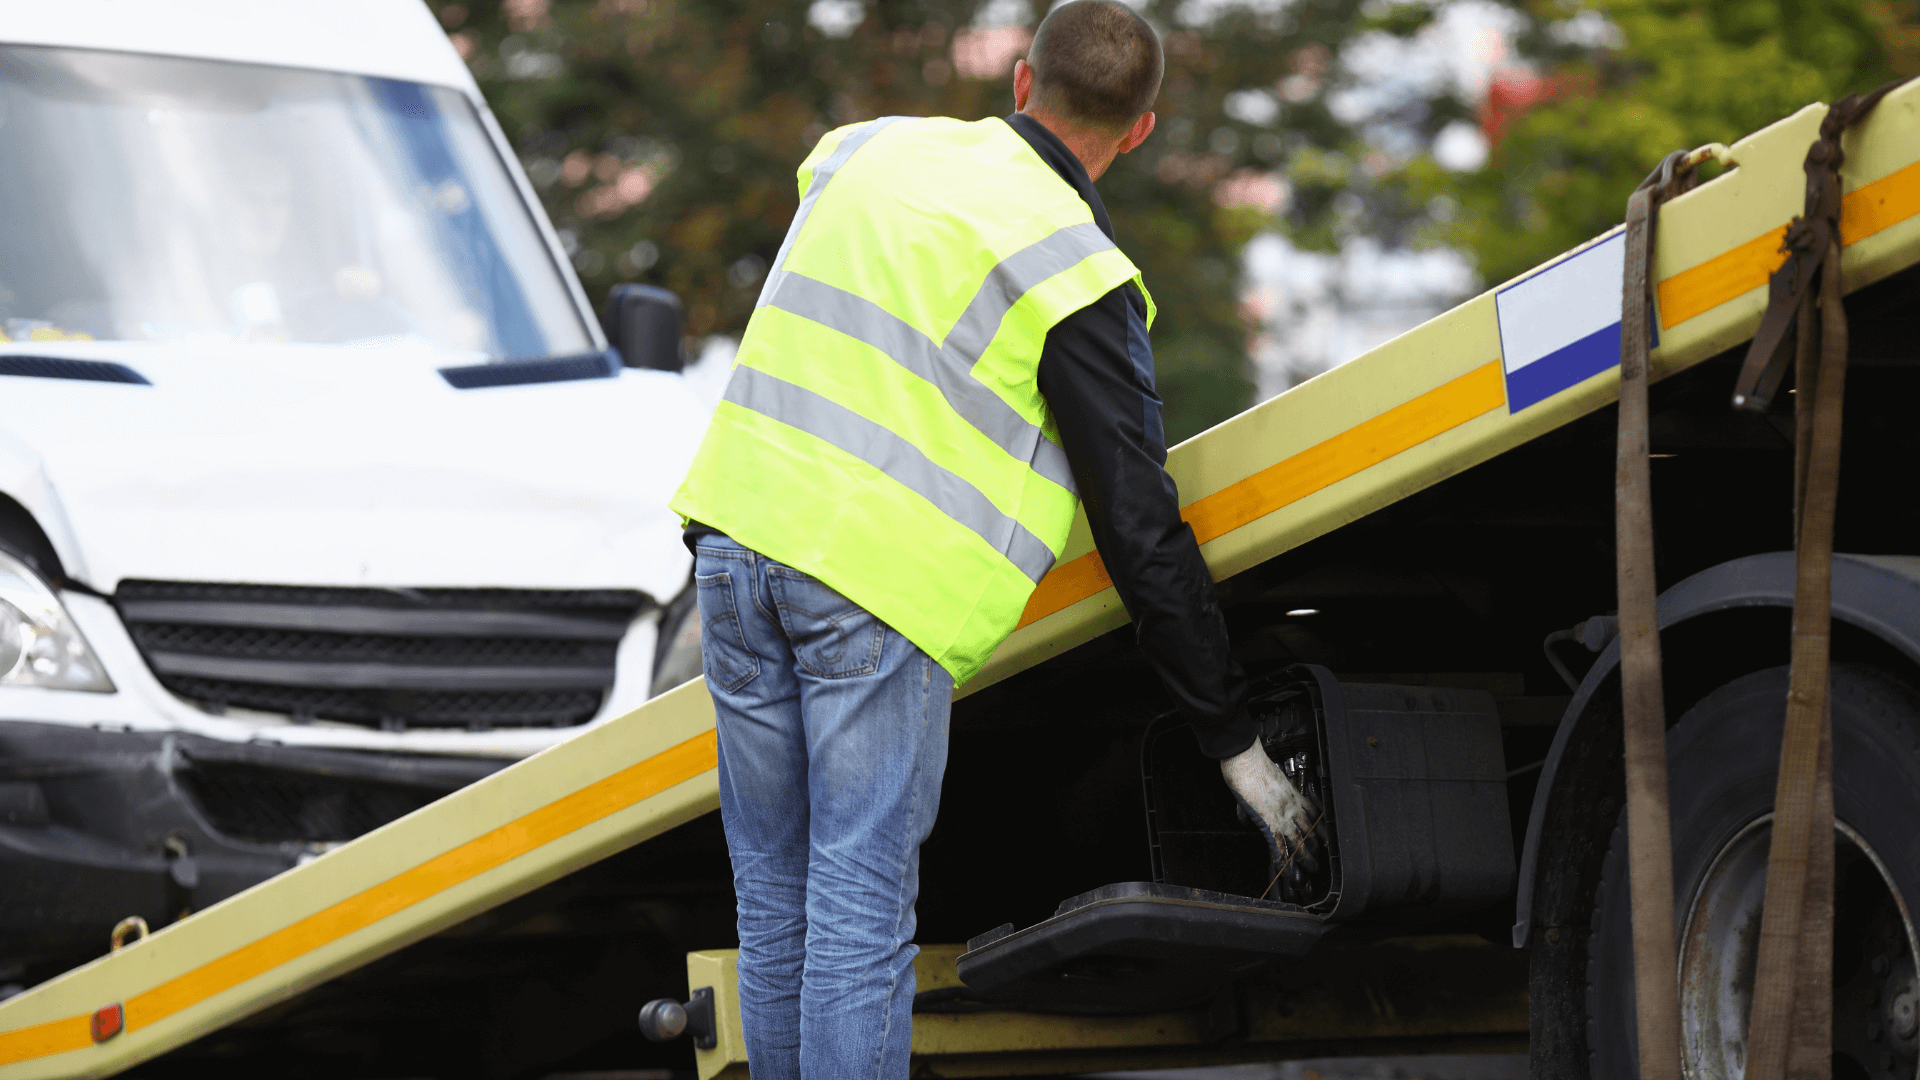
(643, 322)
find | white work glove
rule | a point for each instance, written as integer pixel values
(1278, 809)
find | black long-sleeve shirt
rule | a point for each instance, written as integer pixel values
(1096, 372)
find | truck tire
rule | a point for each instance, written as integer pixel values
(1723, 759)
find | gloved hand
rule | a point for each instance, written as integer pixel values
(1278, 809)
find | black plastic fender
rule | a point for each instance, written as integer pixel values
(1879, 594)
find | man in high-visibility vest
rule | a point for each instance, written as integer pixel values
(948, 356)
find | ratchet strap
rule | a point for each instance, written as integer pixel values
(1643, 714)
(1790, 1026)
(1807, 240)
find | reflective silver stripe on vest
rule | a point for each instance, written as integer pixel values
(949, 366)
(822, 173)
(899, 459)
(1013, 278)
(988, 412)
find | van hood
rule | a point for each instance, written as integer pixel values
(320, 465)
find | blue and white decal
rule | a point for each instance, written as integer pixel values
(1562, 325)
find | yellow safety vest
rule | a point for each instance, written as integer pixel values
(883, 429)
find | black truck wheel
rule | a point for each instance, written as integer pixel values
(1723, 759)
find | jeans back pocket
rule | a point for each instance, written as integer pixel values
(832, 637)
(724, 656)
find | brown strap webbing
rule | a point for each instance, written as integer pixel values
(1790, 1027)
(1806, 243)
(1644, 715)
(1809, 1052)
(1791, 1019)
(1791, 1022)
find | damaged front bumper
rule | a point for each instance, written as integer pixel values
(97, 826)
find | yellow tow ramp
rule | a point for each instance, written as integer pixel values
(604, 790)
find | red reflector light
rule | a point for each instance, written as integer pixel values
(107, 1022)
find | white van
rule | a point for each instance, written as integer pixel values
(322, 489)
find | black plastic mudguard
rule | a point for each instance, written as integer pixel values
(1413, 828)
(1134, 947)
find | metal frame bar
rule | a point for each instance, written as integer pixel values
(1448, 994)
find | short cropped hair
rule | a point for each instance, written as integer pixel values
(1096, 62)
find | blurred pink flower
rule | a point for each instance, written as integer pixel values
(1263, 191)
(990, 53)
(635, 184)
(628, 190)
(526, 14)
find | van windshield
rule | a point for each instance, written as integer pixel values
(187, 201)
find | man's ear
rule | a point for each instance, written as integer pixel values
(1137, 134)
(1022, 85)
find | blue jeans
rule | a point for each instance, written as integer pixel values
(833, 741)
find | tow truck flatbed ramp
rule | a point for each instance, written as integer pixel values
(1483, 378)
(608, 788)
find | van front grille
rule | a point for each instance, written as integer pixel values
(312, 796)
(272, 806)
(393, 658)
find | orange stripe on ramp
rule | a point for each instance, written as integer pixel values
(1318, 467)
(40, 1040)
(1880, 205)
(589, 804)
(1721, 278)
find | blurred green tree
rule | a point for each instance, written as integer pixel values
(1637, 79)
(663, 136)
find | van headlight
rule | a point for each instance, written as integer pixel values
(39, 644)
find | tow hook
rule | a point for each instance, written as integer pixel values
(664, 1019)
(180, 864)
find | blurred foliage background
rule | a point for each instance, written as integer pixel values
(664, 134)
(1667, 76)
